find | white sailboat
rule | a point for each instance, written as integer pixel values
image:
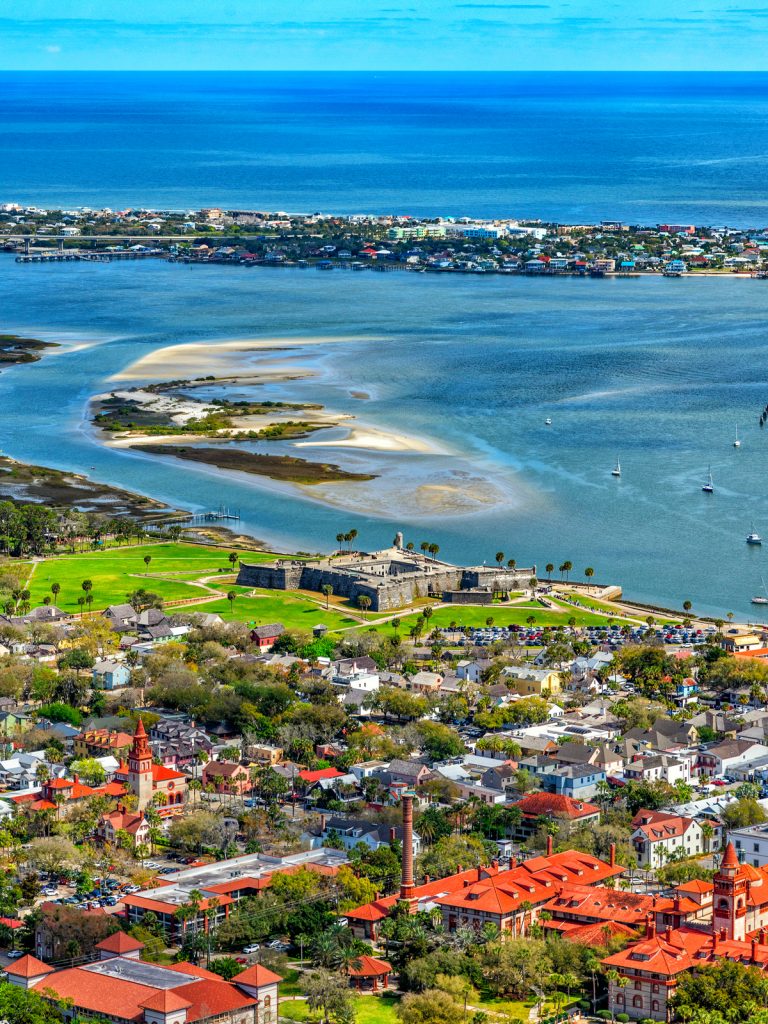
(616, 471)
(761, 598)
(736, 441)
(708, 487)
(548, 421)
(753, 537)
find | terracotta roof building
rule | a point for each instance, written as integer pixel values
(568, 813)
(128, 990)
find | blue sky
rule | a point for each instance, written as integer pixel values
(384, 34)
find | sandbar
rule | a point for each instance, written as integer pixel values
(198, 358)
(374, 440)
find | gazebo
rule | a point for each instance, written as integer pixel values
(369, 972)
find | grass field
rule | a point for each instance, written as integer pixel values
(117, 571)
(505, 615)
(274, 606)
(368, 1010)
(371, 1009)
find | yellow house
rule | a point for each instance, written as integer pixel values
(532, 682)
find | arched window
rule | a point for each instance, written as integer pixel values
(655, 1006)
(619, 998)
(638, 1002)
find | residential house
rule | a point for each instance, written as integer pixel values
(579, 782)
(111, 675)
(658, 836)
(566, 813)
(410, 773)
(265, 636)
(227, 777)
(112, 824)
(718, 759)
(95, 742)
(121, 617)
(424, 682)
(658, 768)
(532, 682)
(348, 832)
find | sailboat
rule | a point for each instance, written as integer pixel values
(548, 421)
(761, 598)
(708, 487)
(616, 471)
(753, 537)
(736, 441)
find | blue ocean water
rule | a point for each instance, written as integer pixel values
(655, 371)
(644, 148)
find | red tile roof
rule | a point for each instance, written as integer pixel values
(370, 967)
(258, 975)
(556, 804)
(599, 903)
(119, 943)
(28, 967)
(165, 1001)
(322, 773)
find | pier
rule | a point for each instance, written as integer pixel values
(222, 512)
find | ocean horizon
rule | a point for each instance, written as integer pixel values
(641, 147)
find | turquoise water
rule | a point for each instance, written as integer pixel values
(646, 148)
(657, 372)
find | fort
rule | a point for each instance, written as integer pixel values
(392, 578)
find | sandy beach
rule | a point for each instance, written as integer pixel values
(222, 358)
(373, 439)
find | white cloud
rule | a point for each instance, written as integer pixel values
(53, 49)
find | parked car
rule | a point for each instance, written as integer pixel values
(253, 948)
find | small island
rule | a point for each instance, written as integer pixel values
(277, 467)
(14, 349)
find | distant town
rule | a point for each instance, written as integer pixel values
(462, 245)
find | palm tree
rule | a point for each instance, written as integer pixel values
(424, 546)
(567, 566)
(231, 595)
(352, 535)
(687, 606)
(87, 586)
(364, 603)
(511, 563)
(55, 589)
(89, 600)
(433, 550)
(499, 557)
(531, 619)
(549, 567)
(147, 560)
(589, 572)
(327, 589)
(233, 557)
(339, 539)
(81, 603)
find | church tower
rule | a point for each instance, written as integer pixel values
(140, 780)
(730, 896)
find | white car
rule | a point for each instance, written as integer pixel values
(253, 948)
(14, 954)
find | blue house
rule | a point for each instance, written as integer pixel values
(111, 675)
(574, 780)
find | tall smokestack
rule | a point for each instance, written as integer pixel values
(406, 882)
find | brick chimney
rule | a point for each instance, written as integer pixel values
(406, 881)
(392, 835)
(754, 950)
(549, 846)
(650, 926)
(613, 855)
(495, 865)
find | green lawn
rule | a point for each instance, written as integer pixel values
(505, 615)
(117, 571)
(289, 986)
(369, 1009)
(293, 611)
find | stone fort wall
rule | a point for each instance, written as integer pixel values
(388, 593)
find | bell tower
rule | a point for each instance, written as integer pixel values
(140, 767)
(730, 896)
